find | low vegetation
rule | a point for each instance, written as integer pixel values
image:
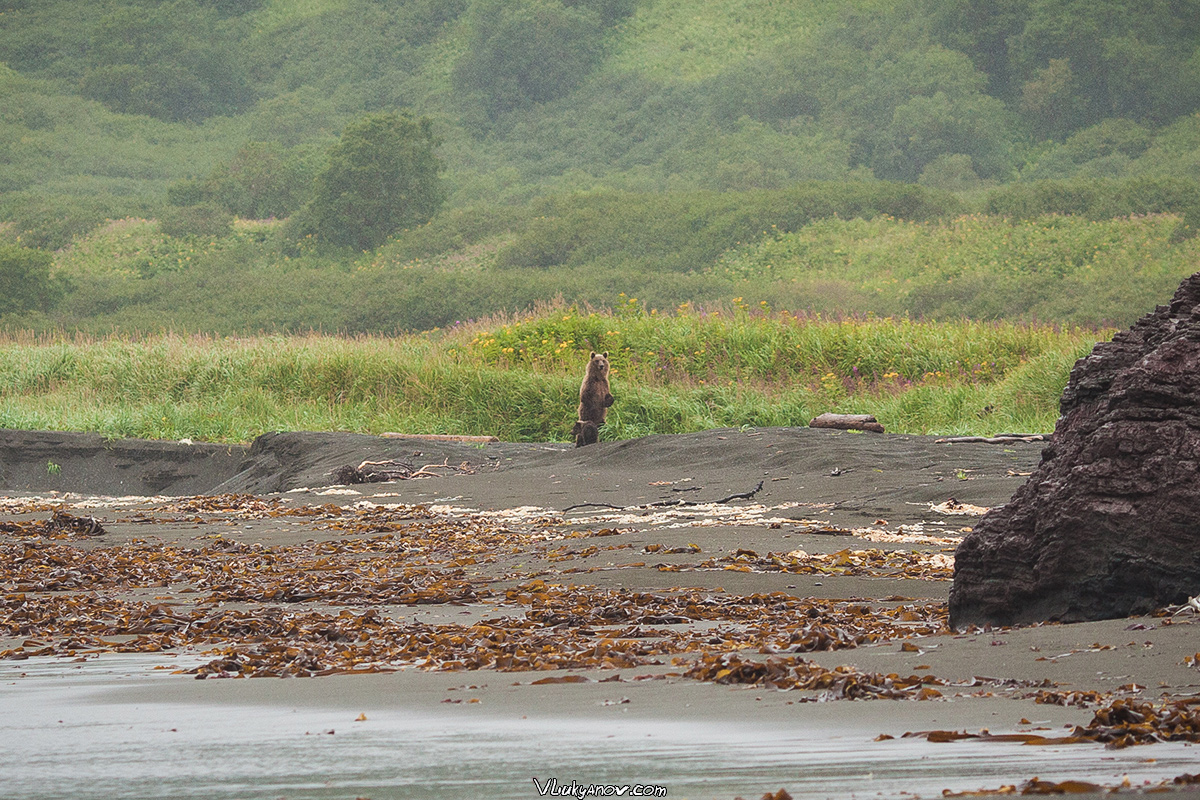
(518, 378)
(1060, 268)
(843, 249)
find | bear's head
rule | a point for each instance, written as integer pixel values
(598, 366)
(585, 433)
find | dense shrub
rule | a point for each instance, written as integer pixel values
(1064, 268)
(1104, 150)
(204, 220)
(381, 177)
(582, 95)
(876, 82)
(50, 222)
(523, 52)
(609, 11)
(187, 192)
(263, 179)
(169, 61)
(25, 282)
(1068, 64)
(688, 231)
(1099, 199)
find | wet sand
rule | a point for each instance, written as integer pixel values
(852, 528)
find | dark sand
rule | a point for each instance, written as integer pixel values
(822, 492)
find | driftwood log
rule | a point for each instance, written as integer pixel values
(847, 422)
(442, 437)
(671, 503)
(1000, 438)
(382, 471)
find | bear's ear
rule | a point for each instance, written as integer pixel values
(593, 355)
(605, 354)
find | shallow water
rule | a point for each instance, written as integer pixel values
(64, 736)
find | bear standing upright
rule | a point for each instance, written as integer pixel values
(594, 399)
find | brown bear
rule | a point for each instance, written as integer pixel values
(585, 433)
(594, 399)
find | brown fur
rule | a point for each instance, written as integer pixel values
(585, 433)
(594, 394)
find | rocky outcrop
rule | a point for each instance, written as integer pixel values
(1108, 525)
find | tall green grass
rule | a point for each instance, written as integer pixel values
(518, 378)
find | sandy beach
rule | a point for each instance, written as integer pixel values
(721, 614)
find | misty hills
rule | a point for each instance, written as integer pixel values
(118, 99)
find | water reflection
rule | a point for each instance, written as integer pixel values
(60, 742)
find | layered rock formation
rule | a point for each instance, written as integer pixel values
(1108, 525)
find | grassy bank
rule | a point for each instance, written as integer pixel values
(518, 378)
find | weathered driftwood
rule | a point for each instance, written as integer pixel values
(672, 503)
(441, 437)
(742, 496)
(847, 422)
(593, 505)
(382, 471)
(1002, 438)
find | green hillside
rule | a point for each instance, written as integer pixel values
(677, 151)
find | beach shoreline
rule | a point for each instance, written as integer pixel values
(821, 529)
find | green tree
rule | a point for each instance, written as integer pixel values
(530, 51)
(25, 280)
(930, 126)
(382, 176)
(204, 220)
(1051, 100)
(982, 29)
(952, 172)
(1068, 64)
(172, 61)
(264, 179)
(1105, 150)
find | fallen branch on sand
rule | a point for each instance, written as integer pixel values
(593, 505)
(667, 503)
(744, 495)
(848, 422)
(1000, 438)
(442, 437)
(381, 471)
